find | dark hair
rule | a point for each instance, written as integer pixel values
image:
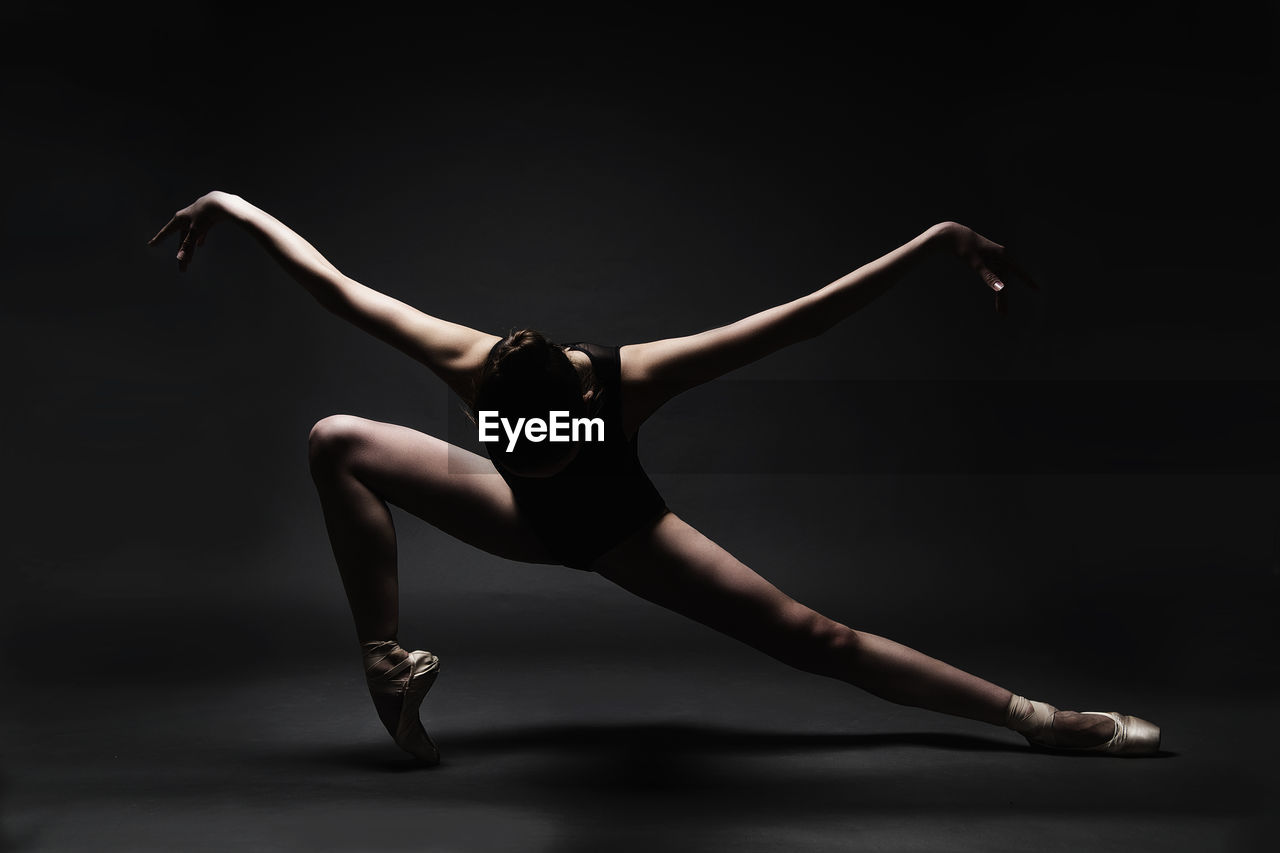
(527, 375)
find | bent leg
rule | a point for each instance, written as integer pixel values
(360, 465)
(674, 565)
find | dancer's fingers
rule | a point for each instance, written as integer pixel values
(186, 250)
(163, 232)
(990, 278)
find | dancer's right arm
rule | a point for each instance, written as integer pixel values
(452, 351)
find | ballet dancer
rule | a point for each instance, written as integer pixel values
(588, 504)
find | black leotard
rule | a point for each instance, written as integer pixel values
(600, 497)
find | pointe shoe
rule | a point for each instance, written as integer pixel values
(1133, 736)
(398, 693)
(1034, 721)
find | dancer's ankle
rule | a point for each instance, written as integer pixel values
(1042, 723)
(381, 656)
(1033, 720)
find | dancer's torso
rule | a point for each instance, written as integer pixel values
(603, 494)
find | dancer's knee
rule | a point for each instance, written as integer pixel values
(814, 643)
(332, 440)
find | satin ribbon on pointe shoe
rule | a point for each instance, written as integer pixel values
(1032, 720)
(398, 688)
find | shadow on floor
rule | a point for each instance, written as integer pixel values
(672, 740)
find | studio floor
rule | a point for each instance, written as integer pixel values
(544, 753)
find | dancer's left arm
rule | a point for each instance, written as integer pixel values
(656, 371)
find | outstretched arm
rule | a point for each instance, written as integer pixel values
(655, 372)
(453, 352)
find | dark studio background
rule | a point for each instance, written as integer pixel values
(1076, 500)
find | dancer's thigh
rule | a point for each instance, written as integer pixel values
(672, 564)
(453, 489)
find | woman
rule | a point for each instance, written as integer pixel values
(527, 501)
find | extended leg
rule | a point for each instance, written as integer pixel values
(677, 567)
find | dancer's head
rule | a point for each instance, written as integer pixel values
(528, 376)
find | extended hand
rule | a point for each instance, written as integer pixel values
(988, 259)
(193, 223)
